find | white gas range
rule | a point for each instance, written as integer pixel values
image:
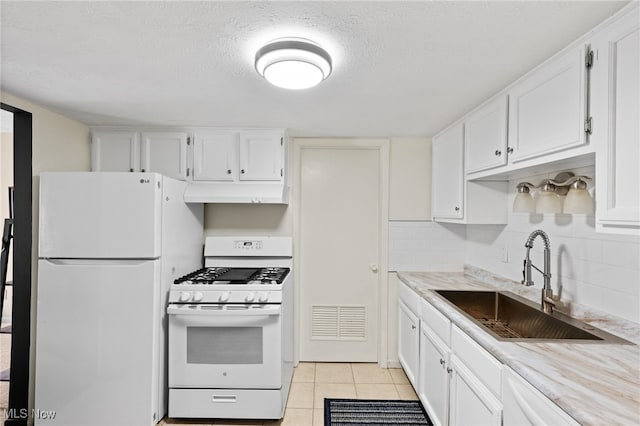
(231, 331)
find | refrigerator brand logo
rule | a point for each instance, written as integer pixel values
(144, 181)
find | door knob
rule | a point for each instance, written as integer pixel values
(374, 268)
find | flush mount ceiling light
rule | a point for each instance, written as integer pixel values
(577, 201)
(293, 63)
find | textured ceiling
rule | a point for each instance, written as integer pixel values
(400, 68)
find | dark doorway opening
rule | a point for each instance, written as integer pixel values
(18, 413)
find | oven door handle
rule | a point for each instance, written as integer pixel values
(201, 310)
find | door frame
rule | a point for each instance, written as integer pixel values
(382, 146)
(22, 235)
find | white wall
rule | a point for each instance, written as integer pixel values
(593, 269)
(410, 179)
(597, 270)
(248, 219)
(419, 246)
(6, 181)
(58, 143)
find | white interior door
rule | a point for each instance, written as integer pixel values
(342, 206)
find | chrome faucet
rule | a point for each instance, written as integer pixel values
(547, 303)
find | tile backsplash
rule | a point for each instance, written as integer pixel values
(426, 246)
(588, 268)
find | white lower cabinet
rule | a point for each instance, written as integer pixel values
(525, 405)
(408, 332)
(433, 382)
(408, 342)
(459, 382)
(470, 401)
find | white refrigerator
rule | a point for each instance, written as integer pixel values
(110, 245)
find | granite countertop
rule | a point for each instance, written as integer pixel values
(595, 383)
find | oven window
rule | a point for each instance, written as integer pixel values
(224, 345)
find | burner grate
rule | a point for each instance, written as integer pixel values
(500, 328)
(224, 275)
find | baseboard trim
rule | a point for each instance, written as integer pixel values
(393, 363)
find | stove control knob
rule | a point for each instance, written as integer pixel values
(249, 297)
(198, 296)
(224, 297)
(185, 296)
(263, 297)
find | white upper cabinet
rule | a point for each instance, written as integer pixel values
(239, 166)
(616, 127)
(115, 151)
(215, 156)
(547, 108)
(230, 155)
(222, 165)
(485, 136)
(455, 199)
(261, 155)
(447, 173)
(127, 151)
(164, 153)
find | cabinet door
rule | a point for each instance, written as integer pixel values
(433, 381)
(408, 339)
(447, 169)
(485, 136)
(164, 153)
(547, 108)
(115, 152)
(524, 405)
(616, 127)
(261, 155)
(471, 403)
(215, 156)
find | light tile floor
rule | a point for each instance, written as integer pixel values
(312, 382)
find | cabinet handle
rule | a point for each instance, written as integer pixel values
(413, 327)
(498, 153)
(131, 170)
(509, 150)
(457, 208)
(442, 362)
(242, 171)
(142, 170)
(229, 171)
(449, 370)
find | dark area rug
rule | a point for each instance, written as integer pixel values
(338, 412)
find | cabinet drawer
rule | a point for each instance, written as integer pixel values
(409, 298)
(478, 360)
(438, 322)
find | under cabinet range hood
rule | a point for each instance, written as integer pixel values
(235, 192)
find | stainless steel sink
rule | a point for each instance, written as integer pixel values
(508, 316)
